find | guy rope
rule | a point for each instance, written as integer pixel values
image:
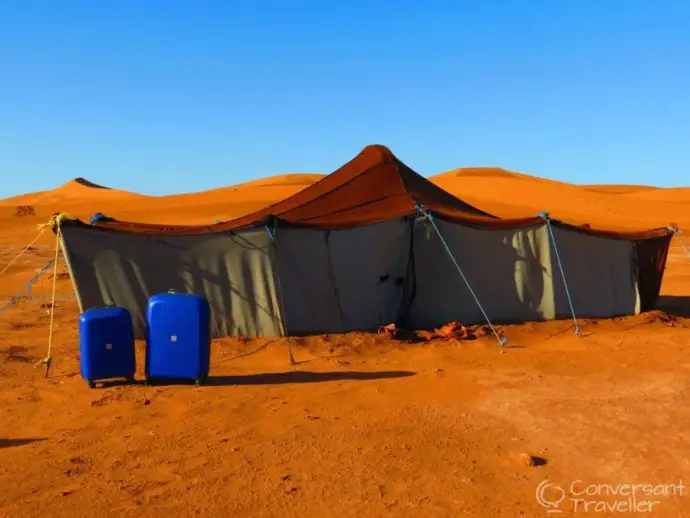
(428, 216)
(54, 223)
(28, 287)
(545, 216)
(14, 298)
(41, 229)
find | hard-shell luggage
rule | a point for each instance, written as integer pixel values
(106, 344)
(178, 337)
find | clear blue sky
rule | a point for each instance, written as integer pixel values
(164, 96)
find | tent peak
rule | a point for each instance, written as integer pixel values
(378, 153)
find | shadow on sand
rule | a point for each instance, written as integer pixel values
(284, 378)
(9, 443)
(272, 378)
(677, 305)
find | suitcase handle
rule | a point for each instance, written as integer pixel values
(172, 291)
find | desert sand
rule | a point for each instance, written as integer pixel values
(360, 425)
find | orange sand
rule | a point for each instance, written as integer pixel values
(361, 426)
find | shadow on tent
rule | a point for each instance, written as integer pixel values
(677, 305)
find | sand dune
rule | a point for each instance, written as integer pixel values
(83, 182)
(294, 180)
(222, 203)
(269, 189)
(288, 183)
(84, 190)
(494, 173)
(75, 191)
(510, 194)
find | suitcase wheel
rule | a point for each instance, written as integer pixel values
(90, 383)
(198, 381)
(131, 380)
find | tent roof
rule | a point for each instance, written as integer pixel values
(374, 186)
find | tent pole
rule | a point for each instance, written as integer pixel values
(272, 235)
(545, 216)
(429, 217)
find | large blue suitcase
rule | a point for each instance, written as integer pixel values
(178, 337)
(106, 344)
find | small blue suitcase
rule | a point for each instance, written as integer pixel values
(178, 337)
(106, 344)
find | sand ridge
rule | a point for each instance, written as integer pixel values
(505, 193)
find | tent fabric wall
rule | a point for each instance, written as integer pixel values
(516, 276)
(369, 266)
(235, 271)
(344, 280)
(311, 280)
(509, 270)
(601, 274)
(310, 303)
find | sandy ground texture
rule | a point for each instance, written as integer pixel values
(360, 425)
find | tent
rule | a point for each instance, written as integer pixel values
(372, 243)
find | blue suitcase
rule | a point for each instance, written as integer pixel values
(106, 344)
(178, 337)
